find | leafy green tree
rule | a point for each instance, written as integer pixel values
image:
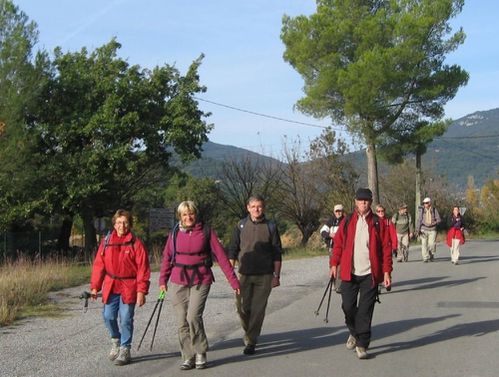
(21, 82)
(376, 66)
(107, 130)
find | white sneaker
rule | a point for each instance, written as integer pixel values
(351, 342)
(187, 364)
(115, 349)
(124, 356)
(361, 352)
(200, 360)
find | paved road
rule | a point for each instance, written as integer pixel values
(439, 320)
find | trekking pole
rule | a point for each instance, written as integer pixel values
(160, 299)
(328, 287)
(331, 284)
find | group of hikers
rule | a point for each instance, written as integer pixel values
(362, 247)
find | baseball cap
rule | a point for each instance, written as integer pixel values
(338, 207)
(364, 194)
(426, 200)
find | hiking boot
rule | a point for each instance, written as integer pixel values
(187, 364)
(124, 356)
(115, 349)
(200, 360)
(351, 342)
(249, 349)
(361, 352)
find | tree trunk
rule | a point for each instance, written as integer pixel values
(64, 235)
(372, 172)
(418, 186)
(90, 234)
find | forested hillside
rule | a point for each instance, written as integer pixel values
(469, 147)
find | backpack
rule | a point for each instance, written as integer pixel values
(270, 225)
(207, 236)
(347, 221)
(108, 237)
(396, 216)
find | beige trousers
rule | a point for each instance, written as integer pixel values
(189, 303)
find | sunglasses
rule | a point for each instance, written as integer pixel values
(380, 210)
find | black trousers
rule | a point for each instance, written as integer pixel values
(359, 296)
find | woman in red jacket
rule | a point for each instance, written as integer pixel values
(455, 236)
(187, 260)
(121, 270)
(392, 231)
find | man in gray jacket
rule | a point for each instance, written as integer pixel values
(256, 247)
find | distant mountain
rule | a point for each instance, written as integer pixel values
(213, 157)
(470, 146)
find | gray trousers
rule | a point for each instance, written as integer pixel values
(251, 304)
(189, 303)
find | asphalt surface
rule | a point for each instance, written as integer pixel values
(438, 320)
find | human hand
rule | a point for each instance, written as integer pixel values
(141, 298)
(276, 281)
(163, 287)
(93, 294)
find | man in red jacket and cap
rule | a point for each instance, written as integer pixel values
(362, 248)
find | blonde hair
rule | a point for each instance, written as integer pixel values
(186, 206)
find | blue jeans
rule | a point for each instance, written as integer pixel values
(110, 312)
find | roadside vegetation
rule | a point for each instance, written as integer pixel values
(25, 285)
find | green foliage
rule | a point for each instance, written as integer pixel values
(376, 66)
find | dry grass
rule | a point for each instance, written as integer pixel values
(25, 284)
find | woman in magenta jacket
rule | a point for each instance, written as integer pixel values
(187, 259)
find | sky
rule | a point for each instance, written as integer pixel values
(243, 66)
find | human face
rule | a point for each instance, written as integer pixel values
(363, 206)
(338, 213)
(187, 219)
(402, 211)
(121, 225)
(255, 209)
(455, 211)
(426, 204)
(380, 212)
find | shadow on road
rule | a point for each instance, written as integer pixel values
(479, 328)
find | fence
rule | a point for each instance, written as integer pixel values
(38, 244)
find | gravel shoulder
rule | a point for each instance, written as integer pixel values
(76, 343)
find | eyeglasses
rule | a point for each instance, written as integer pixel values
(426, 202)
(339, 210)
(380, 210)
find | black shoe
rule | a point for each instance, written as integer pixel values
(249, 349)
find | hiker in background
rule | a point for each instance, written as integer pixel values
(455, 236)
(121, 270)
(328, 231)
(187, 261)
(256, 247)
(405, 230)
(381, 212)
(362, 248)
(429, 218)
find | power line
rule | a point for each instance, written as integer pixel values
(264, 115)
(467, 137)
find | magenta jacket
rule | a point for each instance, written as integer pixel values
(190, 247)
